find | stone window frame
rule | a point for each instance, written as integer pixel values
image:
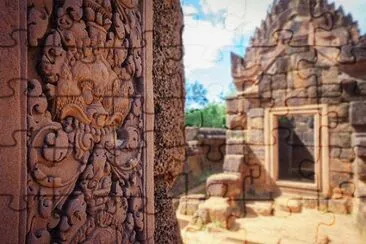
(321, 153)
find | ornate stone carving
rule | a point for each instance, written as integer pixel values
(85, 172)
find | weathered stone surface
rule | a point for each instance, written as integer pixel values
(297, 97)
(358, 113)
(337, 165)
(344, 181)
(330, 76)
(289, 204)
(300, 81)
(278, 97)
(279, 82)
(234, 163)
(256, 123)
(188, 205)
(360, 169)
(265, 83)
(87, 122)
(338, 111)
(315, 203)
(224, 185)
(232, 105)
(340, 206)
(236, 122)
(359, 144)
(259, 208)
(235, 134)
(235, 146)
(347, 154)
(191, 133)
(219, 211)
(255, 137)
(341, 140)
(256, 112)
(169, 141)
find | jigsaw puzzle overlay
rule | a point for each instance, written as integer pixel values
(293, 140)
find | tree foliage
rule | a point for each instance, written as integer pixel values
(196, 95)
(212, 115)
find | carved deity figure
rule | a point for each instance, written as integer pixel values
(85, 122)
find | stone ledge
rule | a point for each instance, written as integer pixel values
(224, 185)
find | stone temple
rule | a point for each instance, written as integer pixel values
(296, 125)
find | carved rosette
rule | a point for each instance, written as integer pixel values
(85, 125)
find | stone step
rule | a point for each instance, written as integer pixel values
(259, 208)
(288, 204)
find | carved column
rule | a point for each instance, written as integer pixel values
(169, 145)
(86, 106)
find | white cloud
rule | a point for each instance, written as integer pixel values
(205, 36)
(189, 10)
(203, 42)
(241, 16)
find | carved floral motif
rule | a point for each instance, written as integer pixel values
(85, 123)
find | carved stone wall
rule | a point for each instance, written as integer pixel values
(169, 144)
(82, 108)
(305, 53)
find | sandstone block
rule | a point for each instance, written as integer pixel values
(236, 121)
(235, 146)
(347, 154)
(224, 185)
(361, 87)
(340, 140)
(313, 92)
(256, 152)
(232, 105)
(188, 205)
(256, 123)
(331, 90)
(289, 205)
(264, 208)
(339, 206)
(360, 169)
(330, 76)
(265, 83)
(255, 137)
(335, 152)
(337, 165)
(338, 111)
(234, 163)
(256, 112)
(300, 81)
(337, 126)
(297, 97)
(359, 144)
(220, 211)
(316, 203)
(235, 134)
(343, 181)
(278, 97)
(330, 100)
(361, 189)
(357, 113)
(279, 82)
(191, 133)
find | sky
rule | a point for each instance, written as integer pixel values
(214, 28)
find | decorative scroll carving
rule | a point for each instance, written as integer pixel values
(85, 172)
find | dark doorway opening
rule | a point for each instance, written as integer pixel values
(296, 148)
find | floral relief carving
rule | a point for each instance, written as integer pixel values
(85, 172)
